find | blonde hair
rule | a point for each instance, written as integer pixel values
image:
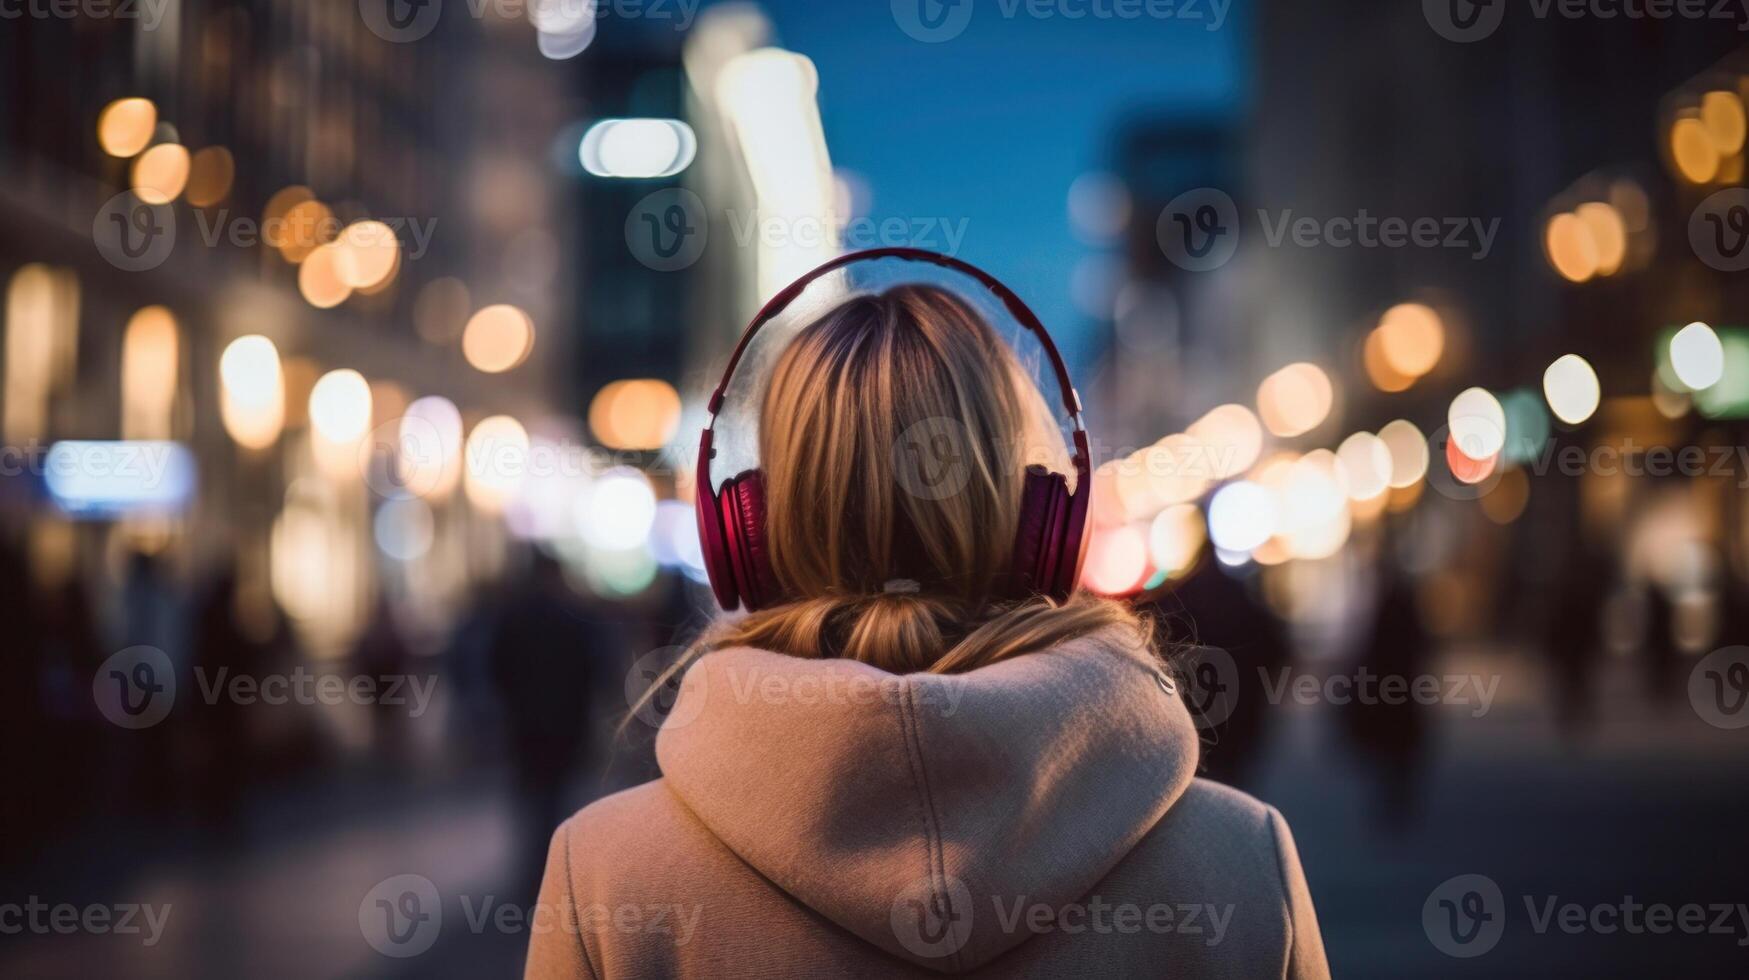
(853, 399)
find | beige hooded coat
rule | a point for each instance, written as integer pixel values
(1036, 818)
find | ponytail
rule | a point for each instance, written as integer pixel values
(906, 633)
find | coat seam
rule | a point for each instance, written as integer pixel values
(936, 863)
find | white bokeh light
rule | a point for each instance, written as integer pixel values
(1242, 516)
(1366, 465)
(1697, 356)
(1572, 390)
(618, 510)
(1478, 423)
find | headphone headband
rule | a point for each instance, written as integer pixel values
(1016, 306)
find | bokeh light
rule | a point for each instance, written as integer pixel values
(429, 447)
(405, 528)
(498, 338)
(1378, 368)
(545, 502)
(1693, 151)
(674, 539)
(1411, 339)
(1527, 425)
(275, 229)
(1571, 387)
(1117, 560)
(1295, 400)
(1729, 396)
(319, 278)
(1230, 437)
(125, 126)
(1175, 539)
(1570, 247)
(1466, 468)
(563, 28)
(151, 356)
(305, 226)
(495, 463)
(1408, 449)
(161, 173)
(252, 391)
(1174, 470)
(1242, 515)
(1722, 114)
(1366, 465)
(1313, 503)
(617, 511)
(638, 148)
(1697, 356)
(367, 254)
(210, 174)
(340, 406)
(1477, 423)
(1609, 235)
(637, 414)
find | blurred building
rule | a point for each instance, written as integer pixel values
(276, 170)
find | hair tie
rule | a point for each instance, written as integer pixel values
(901, 586)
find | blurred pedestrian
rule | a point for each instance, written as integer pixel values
(549, 656)
(1574, 642)
(382, 657)
(1391, 734)
(1660, 656)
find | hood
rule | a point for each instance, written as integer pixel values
(901, 807)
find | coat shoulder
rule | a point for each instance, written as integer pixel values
(1227, 849)
(633, 829)
(1227, 833)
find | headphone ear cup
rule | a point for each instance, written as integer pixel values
(713, 541)
(1038, 538)
(1074, 536)
(744, 498)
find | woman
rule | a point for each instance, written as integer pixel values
(894, 770)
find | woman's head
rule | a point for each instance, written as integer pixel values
(894, 437)
(893, 440)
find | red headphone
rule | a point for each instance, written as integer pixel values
(1049, 544)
